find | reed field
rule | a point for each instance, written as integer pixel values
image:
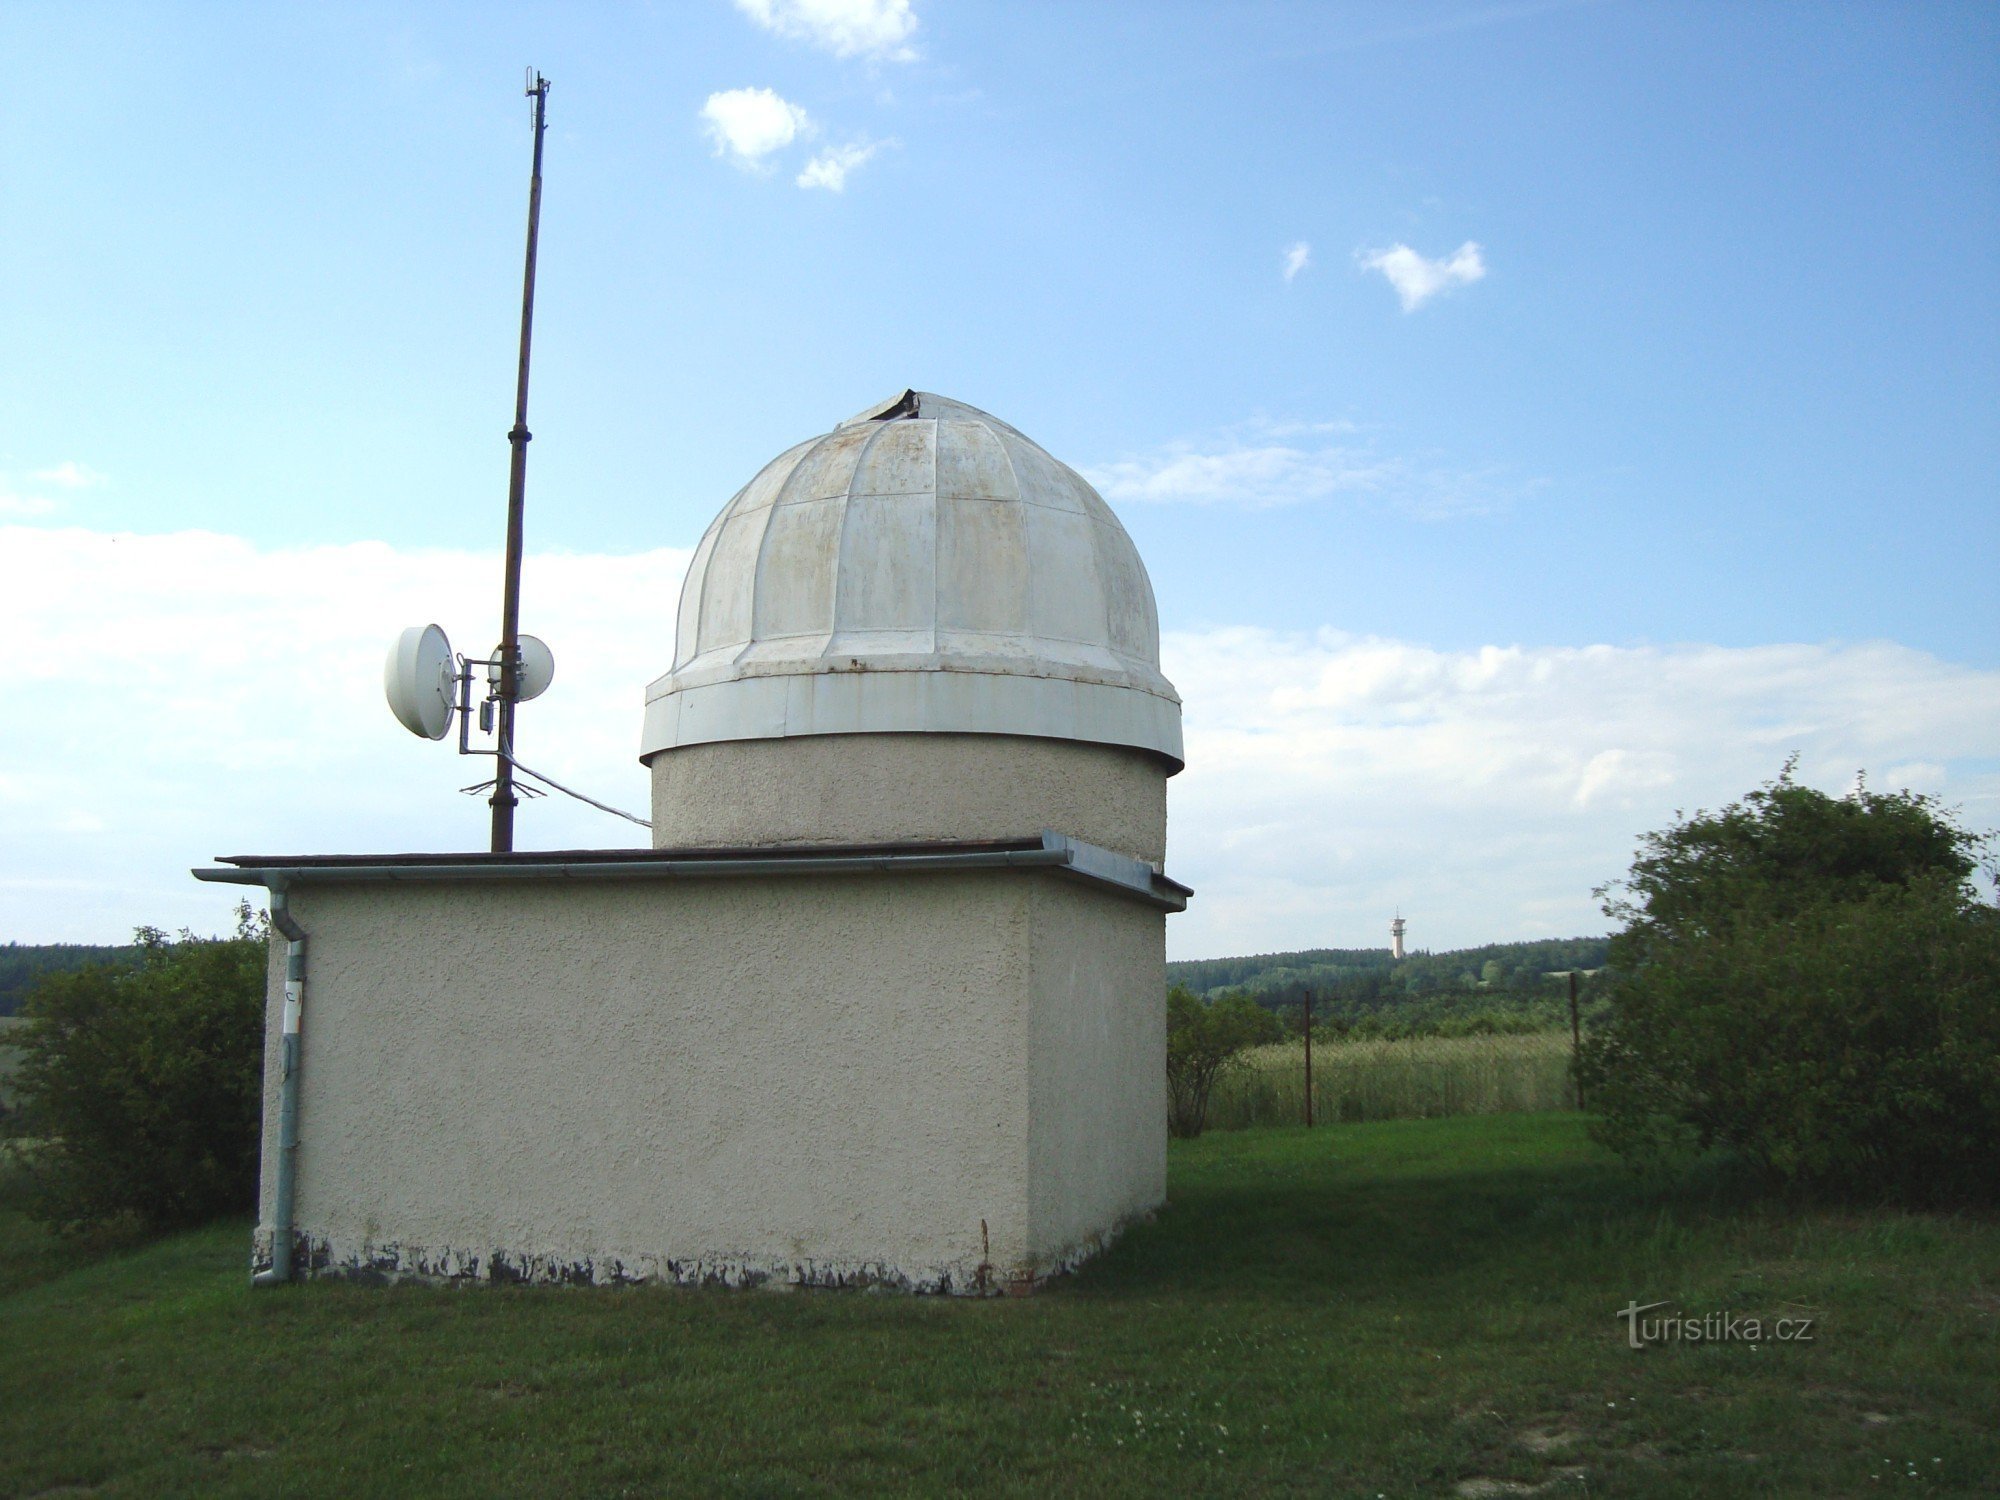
(1411, 1078)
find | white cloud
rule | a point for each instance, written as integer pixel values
(747, 125)
(192, 694)
(878, 29)
(12, 504)
(1262, 465)
(830, 167)
(1297, 258)
(1255, 476)
(69, 475)
(1333, 778)
(1416, 278)
(181, 696)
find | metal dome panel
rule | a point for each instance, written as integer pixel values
(922, 567)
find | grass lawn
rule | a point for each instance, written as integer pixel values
(1406, 1308)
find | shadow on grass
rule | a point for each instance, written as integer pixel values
(1364, 1210)
(30, 1251)
(1358, 1210)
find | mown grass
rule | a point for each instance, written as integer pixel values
(1395, 1309)
(1414, 1078)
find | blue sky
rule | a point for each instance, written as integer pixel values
(1717, 374)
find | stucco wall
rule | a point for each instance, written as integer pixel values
(884, 788)
(1097, 1044)
(823, 1079)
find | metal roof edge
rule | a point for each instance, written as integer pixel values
(1098, 866)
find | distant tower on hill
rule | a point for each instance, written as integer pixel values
(1396, 937)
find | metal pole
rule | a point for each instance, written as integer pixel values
(1309, 1059)
(1575, 1039)
(503, 799)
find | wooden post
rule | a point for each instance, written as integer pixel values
(1575, 1039)
(1309, 1058)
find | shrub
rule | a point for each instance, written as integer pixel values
(1203, 1041)
(141, 1085)
(1810, 982)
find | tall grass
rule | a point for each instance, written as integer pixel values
(1406, 1079)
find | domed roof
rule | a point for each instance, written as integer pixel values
(922, 567)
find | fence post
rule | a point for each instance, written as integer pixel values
(1309, 1058)
(1575, 1040)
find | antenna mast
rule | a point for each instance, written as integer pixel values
(503, 799)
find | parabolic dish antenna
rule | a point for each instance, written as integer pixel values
(418, 680)
(537, 670)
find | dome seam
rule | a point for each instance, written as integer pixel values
(1028, 615)
(702, 604)
(750, 625)
(937, 532)
(697, 578)
(764, 540)
(840, 543)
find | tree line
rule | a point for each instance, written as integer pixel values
(22, 965)
(1355, 983)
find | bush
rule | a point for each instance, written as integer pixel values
(141, 1086)
(1203, 1041)
(1812, 983)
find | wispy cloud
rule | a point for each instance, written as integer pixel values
(1417, 278)
(1263, 465)
(1331, 778)
(747, 125)
(70, 475)
(258, 671)
(830, 167)
(12, 504)
(67, 475)
(1256, 477)
(1297, 258)
(877, 29)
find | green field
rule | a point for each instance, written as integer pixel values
(1413, 1078)
(1413, 1308)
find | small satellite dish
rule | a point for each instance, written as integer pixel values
(538, 669)
(418, 680)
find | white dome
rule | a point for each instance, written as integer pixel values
(922, 567)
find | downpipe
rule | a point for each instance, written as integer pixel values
(288, 1093)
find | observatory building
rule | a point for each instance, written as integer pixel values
(884, 1004)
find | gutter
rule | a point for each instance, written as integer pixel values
(282, 1216)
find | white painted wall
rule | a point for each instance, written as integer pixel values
(822, 1079)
